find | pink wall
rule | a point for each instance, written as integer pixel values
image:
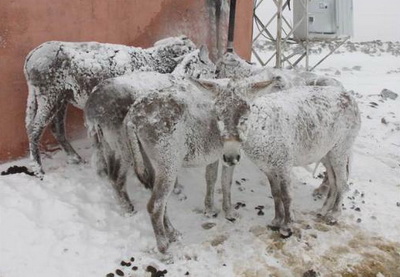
(24, 24)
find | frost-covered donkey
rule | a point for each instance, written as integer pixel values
(230, 65)
(173, 128)
(297, 127)
(109, 103)
(59, 73)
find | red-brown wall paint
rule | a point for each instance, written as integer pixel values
(24, 24)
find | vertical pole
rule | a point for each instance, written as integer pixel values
(278, 63)
(231, 28)
(307, 39)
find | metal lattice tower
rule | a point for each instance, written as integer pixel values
(277, 27)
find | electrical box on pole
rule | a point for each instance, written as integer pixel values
(326, 19)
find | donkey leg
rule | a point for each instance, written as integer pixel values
(323, 188)
(286, 197)
(339, 167)
(211, 179)
(58, 130)
(98, 160)
(276, 194)
(330, 198)
(226, 178)
(117, 171)
(36, 122)
(163, 186)
(172, 234)
(35, 131)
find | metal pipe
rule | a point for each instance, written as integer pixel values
(278, 63)
(231, 28)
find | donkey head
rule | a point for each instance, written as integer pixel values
(230, 65)
(232, 108)
(195, 64)
(174, 47)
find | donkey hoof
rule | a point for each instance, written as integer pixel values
(211, 213)
(331, 220)
(174, 236)
(317, 194)
(285, 233)
(130, 209)
(232, 216)
(75, 160)
(273, 227)
(162, 246)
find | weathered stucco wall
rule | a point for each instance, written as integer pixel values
(24, 24)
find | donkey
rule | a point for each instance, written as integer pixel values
(59, 73)
(108, 105)
(230, 65)
(294, 128)
(173, 128)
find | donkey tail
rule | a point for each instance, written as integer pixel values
(31, 106)
(141, 162)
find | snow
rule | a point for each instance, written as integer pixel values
(70, 224)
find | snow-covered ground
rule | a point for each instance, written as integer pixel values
(70, 225)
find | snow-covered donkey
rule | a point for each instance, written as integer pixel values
(296, 127)
(169, 129)
(230, 65)
(109, 103)
(59, 73)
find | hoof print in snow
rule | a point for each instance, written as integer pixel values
(15, 169)
(310, 273)
(110, 275)
(383, 121)
(231, 219)
(208, 225)
(373, 104)
(239, 205)
(134, 268)
(187, 273)
(119, 272)
(398, 204)
(132, 259)
(358, 220)
(259, 208)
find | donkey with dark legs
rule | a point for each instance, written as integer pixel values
(176, 127)
(59, 73)
(108, 105)
(230, 65)
(293, 128)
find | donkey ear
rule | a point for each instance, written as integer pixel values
(179, 59)
(261, 84)
(203, 54)
(253, 88)
(209, 85)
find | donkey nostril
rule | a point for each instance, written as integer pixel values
(225, 160)
(238, 157)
